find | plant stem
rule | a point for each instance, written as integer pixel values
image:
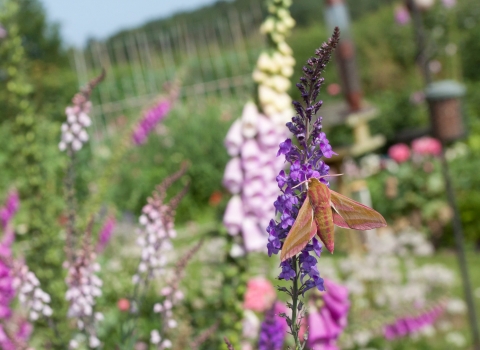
(294, 327)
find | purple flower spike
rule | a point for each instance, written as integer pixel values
(273, 329)
(11, 207)
(105, 234)
(306, 161)
(404, 326)
(150, 119)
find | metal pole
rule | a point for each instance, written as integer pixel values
(458, 232)
(421, 40)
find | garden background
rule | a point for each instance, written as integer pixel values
(208, 56)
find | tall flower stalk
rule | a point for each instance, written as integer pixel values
(74, 136)
(305, 159)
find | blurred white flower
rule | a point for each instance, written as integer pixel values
(424, 4)
(155, 337)
(456, 339)
(456, 306)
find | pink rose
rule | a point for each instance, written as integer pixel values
(427, 146)
(399, 152)
(260, 295)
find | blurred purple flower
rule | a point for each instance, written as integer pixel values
(233, 217)
(402, 15)
(234, 139)
(150, 119)
(305, 162)
(233, 176)
(417, 97)
(3, 32)
(412, 324)
(449, 3)
(273, 329)
(10, 209)
(7, 290)
(105, 234)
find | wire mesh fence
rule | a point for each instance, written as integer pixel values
(213, 59)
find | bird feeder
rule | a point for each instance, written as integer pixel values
(444, 100)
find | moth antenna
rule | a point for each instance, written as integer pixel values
(329, 175)
(301, 183)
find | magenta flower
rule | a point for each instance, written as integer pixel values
(10, 209)
(412, 324)
(7, 292)
(399, 152)
(327, 324)
(427, 146)
(402, 16)
(105, 234)
(150, 119)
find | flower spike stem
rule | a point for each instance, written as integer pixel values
(306, 161)
(294, 327)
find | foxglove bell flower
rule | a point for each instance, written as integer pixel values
(275, 65)
(154, 238)
(327, 324)
(250, 174)
(83, 287)
(74, 130)
(32, 298)
(157, 221)
(253, 138)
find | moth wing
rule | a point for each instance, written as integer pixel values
(301, 233)
(351, 214)
(338, 220)
(319, 196)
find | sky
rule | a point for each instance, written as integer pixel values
(81, 19)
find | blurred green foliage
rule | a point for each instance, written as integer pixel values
(32, 67)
